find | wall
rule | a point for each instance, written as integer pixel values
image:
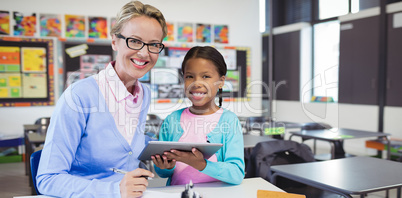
(241, 16)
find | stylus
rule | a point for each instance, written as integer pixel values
(124, 172)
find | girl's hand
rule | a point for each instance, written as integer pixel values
(163, 162)
(134, 183)
(194, 158)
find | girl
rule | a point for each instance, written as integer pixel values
(204, 71)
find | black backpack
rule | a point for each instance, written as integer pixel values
(269, 153)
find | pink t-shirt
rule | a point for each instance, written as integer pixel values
(124, 106)
(196, 128)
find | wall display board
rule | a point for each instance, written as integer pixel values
(26, 71)
(166, 80)
(82, 59)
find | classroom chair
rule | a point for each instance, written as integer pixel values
(152, 125)
(43, 121)
(35, 157)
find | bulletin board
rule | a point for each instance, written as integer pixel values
(83, 59)
(26, 72)
(166, 80)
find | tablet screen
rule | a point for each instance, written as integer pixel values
(158, 147)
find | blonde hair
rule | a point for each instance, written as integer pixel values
(135, 9)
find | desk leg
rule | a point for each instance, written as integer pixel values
(27, 145)
(398, 192)
(388, 148)
(332, 150)
(315, 146)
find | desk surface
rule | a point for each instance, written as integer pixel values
(266, 124)
(248, 188)
(354, 175)
(336, 134)
(31, 127)
(36, 138)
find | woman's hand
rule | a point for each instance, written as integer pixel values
(194, 158)
(134, 183)
(162, 162)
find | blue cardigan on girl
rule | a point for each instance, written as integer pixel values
(230, 165)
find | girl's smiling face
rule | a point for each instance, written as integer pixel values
(133, 64)
(201, 84)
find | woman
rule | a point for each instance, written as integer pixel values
(98, 123)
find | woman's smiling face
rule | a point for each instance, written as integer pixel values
(201, 84)
(133, 64)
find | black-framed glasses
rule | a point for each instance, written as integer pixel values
(136, 44)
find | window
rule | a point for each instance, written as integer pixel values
(332, 8)
(326, 58)
(262, 16)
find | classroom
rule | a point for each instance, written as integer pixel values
(319, 76)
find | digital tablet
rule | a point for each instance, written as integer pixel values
(158, 147)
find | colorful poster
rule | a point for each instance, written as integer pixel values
(185, 32)
(94, 63)
(75, 26)
(232, 81)
(203, 33)
(34, 85)
(162, 61)
(10, 85)
(170, 33)
(230, 56)
(25, 24)
(4, 22)
(50, 25)
(33, 59)
(221, 34)
(97, 27)
(90, 64)
(176, 56)
(9, 59)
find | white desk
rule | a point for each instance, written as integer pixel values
(346, 176)
(248, 188)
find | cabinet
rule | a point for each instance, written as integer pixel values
(394, 60)
(286, 67)
(359, 60)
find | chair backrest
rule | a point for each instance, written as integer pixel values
(152, 124)
(153, 117)
(268, 153)
(43, 121)
(34, 161)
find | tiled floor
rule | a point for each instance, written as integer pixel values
(13, 181)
